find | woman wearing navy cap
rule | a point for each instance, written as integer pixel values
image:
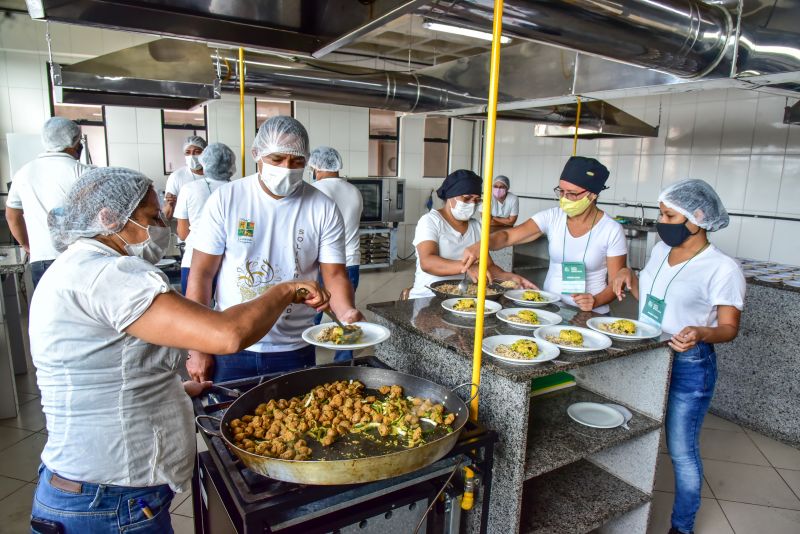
(587, 247)
(442, 235)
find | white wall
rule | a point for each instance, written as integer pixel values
(733, 139)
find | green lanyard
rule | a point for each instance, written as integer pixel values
(676, 274)
(566, 231)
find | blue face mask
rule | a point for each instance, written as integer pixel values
(673, 234)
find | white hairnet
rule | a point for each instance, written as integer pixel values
(325, 158)
(218, 161)
(99, 203)
(697, 201)
(280, 135)
(194, 140)
(59, 133)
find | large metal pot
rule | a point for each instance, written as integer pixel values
(334, 470)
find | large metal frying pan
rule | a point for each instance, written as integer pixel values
(451, 295)
(323, 471)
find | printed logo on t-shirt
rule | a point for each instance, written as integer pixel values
(245, 231)
(255, 277)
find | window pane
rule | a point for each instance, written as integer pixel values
(435, 159)
(382, 157)
(382, 122)
(79, 112)
(185, 119)
(437, 128)
(173, 147)
(271, 108)
(96, 139)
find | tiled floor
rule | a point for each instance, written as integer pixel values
(752, 483)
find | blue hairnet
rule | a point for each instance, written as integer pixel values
(280, 135)
(59, 134)
(325, 158)
(194, 140)
(218, 161)
(99, 203)
(697, 201)
(460, 182)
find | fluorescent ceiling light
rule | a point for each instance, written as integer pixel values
(446, 28)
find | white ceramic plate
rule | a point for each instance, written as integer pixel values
(166, 262)
(792, 283)
(547, 351)
(626, 413)
(546, 318)
(492, 307)
(591, 340)
(643, 330)
(373, 334)
(595, 415)
(516, 296)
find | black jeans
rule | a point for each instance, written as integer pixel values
(37, 270)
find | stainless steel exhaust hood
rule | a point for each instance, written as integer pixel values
(302, 27)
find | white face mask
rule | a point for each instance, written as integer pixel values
(282, 181)
(151, 249)
(462, 211)
(193, 162)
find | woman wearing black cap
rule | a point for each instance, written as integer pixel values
(442, 235)
(587, 247)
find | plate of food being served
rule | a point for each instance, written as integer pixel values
(528, 318)
(519, 350)
(622, 328)
(532, 297)
(468, 307)
(357, 336)
(573, 338)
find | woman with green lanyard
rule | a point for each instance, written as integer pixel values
(696, 294)
(587, 247)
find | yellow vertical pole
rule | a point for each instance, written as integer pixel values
(486, 220)
(241, 104)
(577, 125)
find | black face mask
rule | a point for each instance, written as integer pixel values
(673, 234)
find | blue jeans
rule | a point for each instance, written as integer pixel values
(99, 508)
(38, 269)
(245, 364)
(694, 374)
(353, 274)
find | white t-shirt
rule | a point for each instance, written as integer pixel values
(348, 200)
(433, 227)
(264, 241)
(607, 240)
(115, 407)
(709, 280)
(191, 199)
(38, 187)
(179, 178)
(507, 208)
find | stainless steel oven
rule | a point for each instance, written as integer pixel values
(384, 199)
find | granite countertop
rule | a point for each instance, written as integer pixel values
(772, 285)
(427, 318)
(11, 260)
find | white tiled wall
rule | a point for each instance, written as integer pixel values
(733, 139)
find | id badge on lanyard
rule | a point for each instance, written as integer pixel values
(653, 311)
(573, 277)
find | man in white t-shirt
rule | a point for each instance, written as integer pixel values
(219, 164)
(193, 146)
(325, 163)
(42, 185)
(261, 230)
(505, 205)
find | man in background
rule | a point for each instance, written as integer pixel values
(42, 185)
(193, 146)
(325, 163)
